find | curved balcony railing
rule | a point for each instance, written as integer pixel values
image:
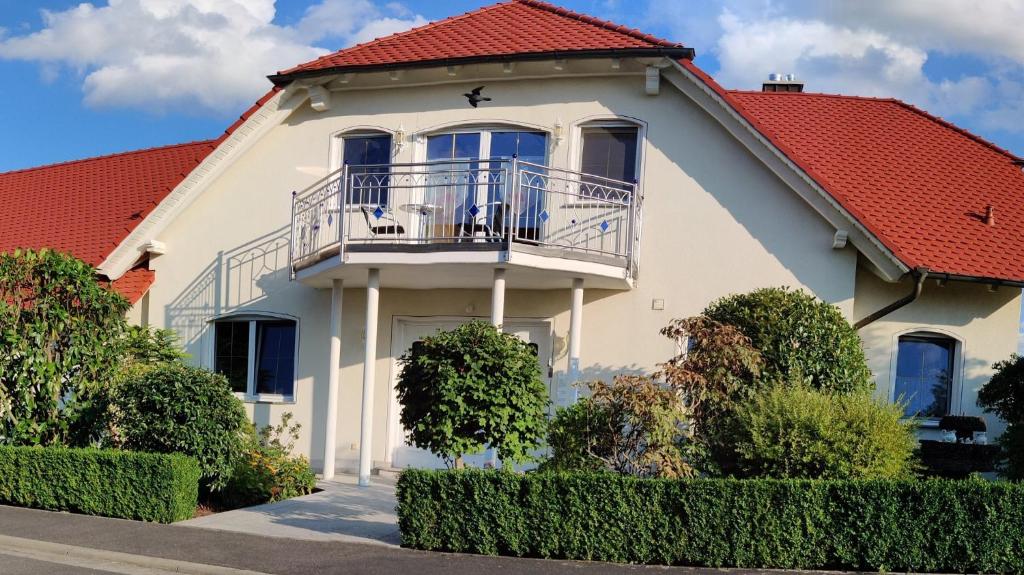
(467, 204)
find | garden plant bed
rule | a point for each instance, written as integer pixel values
(930, 525)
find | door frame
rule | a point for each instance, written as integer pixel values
(394, 436)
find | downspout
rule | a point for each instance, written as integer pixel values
(919, 275)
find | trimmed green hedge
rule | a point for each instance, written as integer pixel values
(932, 525)
(113, 483)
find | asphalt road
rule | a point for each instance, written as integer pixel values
(203, 547)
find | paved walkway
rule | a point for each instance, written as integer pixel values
(343, 511)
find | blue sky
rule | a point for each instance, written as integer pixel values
(82, 79)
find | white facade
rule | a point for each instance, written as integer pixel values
(719, 217)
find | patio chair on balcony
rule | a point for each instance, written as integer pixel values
(381, 222)
(490, 222)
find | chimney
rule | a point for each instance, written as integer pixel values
(782, 83)
(990, 215)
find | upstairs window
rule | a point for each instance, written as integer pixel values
(610, 152)
(257, 356)
(924, 375)
(367, 157)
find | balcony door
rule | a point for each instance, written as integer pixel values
(469, 193)
(367, 156)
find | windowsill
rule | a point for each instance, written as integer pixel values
(926, 423)
(266, 398)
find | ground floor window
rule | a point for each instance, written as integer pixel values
(257, 355)
(924, 374)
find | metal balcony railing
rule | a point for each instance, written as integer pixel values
(466, 204)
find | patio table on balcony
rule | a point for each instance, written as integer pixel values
(426, 213)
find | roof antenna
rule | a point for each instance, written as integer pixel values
(990, 216)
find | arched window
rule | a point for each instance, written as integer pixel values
(257, 354)
(925, 373)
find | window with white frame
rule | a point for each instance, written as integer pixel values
(257, 355)
(367, 156)
(925, 364)
(610, 150)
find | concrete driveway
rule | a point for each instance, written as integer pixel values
(343, 511)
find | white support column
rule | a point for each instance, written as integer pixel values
(369, 374)
(498, 298)
(575, 330)
(331, 428)
(497, 320)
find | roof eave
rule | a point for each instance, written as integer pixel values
(282, 79)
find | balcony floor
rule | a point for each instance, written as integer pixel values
(463, 265)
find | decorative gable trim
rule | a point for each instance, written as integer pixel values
(274, 109)
(883, 261)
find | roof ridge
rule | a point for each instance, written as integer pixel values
(594, 21)
(816, 94)
(963, 132)
(920, 111)
(432, 24)
(107, 156)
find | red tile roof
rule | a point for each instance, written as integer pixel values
(135, 283)
(918, 183)
(509, 29)
(87, 207)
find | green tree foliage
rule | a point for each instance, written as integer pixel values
(793, 431)
(474, 386)
(799, 337)
(1003, 395)
(175, 408)
(151, 346)
(633, 426)
(60, 342)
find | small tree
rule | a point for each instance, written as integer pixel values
(474, 386)
(799, 336)
(1004, 396)
(632, 426)
(60, 342)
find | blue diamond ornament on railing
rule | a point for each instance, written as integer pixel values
(605, 226)
(378, 213)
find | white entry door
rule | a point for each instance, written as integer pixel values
(408, 331)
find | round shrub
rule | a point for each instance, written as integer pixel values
(1004, 396)
(473, 386)
(174, 408)
(799, 337)
(797, 432)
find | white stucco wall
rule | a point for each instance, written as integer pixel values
(985, 324)
(716, 222)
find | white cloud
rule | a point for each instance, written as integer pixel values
(184, 54)
(874, 49)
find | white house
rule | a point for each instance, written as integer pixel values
(596, 185)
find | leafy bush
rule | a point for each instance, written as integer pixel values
(471, 387)
(797, 432)
(151, 346)
(268, 471)
(146, 486)
(883, 525)
(1003, 395)
(60, 342)
(633, 426)
(799, 337)
(716, 368)
(175, 408)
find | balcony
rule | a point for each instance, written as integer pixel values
(465, 211)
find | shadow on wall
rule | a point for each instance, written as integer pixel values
(236, 279)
